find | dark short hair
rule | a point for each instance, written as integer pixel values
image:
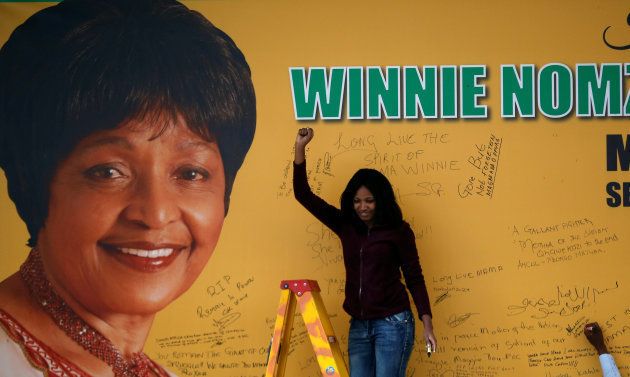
(387, 211)
(87, 65)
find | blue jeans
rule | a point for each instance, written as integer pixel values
(381, 347)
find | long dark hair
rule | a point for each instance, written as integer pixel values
(387, 211)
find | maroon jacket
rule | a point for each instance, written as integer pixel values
(373, 259)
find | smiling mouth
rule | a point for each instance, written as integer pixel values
(157, 253)
(144, 258)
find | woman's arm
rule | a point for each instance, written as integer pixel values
(414, 279)
(429, 336)
(324, 212)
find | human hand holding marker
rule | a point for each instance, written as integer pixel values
(594, 335)
(429, 336)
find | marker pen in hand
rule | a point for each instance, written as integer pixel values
(429, 350)
(593, 328)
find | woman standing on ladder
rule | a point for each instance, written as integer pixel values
(377, 244)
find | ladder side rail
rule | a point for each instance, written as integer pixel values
(320, 331)
(278, 351)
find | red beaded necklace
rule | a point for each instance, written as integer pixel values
(32, 273)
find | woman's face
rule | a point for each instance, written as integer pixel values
(133, 218)
(364, 205)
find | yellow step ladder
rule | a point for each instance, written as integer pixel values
(320, 332)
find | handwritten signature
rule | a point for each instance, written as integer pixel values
(566, 302)
(441, 298)
(226, 320)
(457, 319)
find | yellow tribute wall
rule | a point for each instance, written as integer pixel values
(517, 241)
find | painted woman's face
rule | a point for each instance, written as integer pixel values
(133, 218)
(364, 205)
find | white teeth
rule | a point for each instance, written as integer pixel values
(157, 253)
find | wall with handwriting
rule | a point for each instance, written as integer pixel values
(518, 246)
(518, 250)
